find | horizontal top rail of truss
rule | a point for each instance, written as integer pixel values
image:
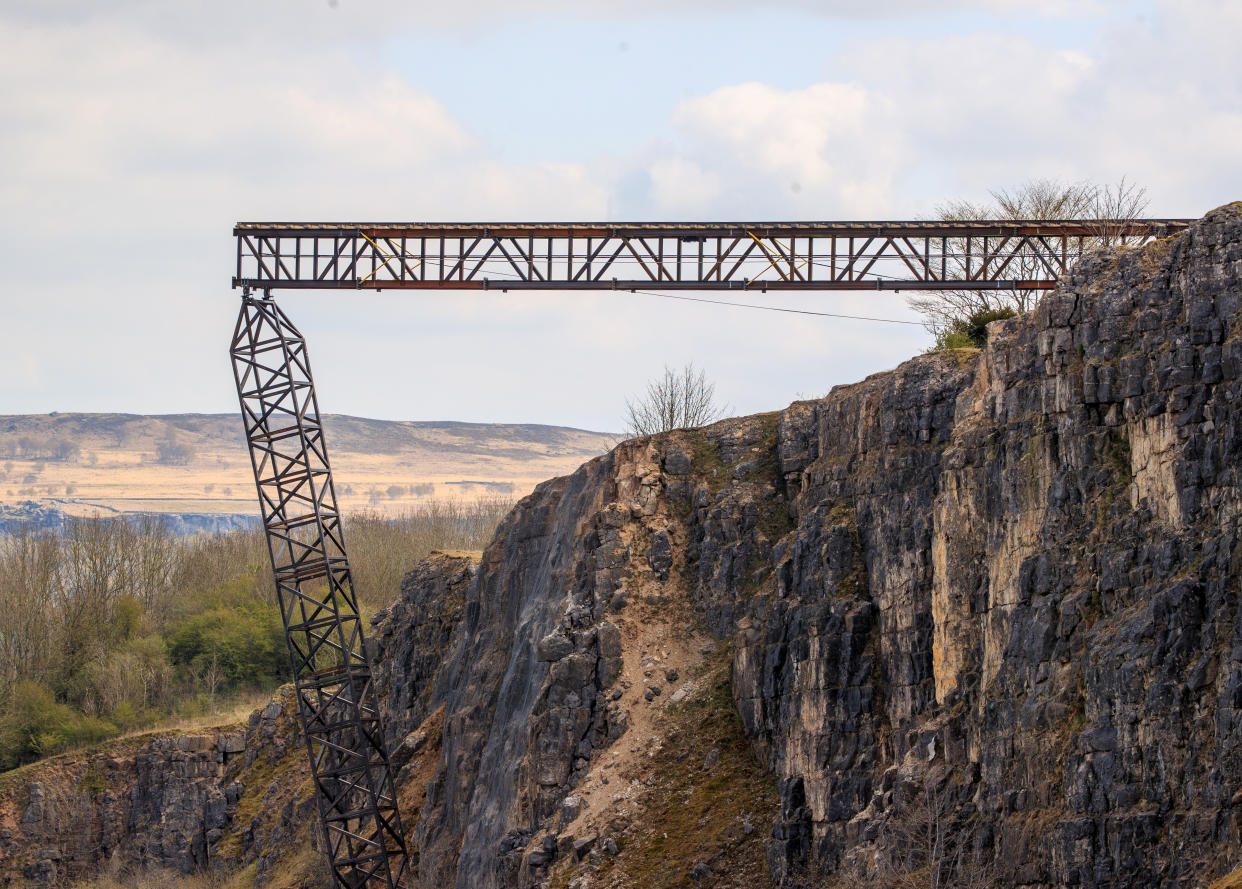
(1157, 228)
(910, 255)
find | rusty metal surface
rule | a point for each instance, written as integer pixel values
(893, 255)
(674, 229)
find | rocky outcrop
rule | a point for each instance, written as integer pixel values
(521, 684)
(161, 803)
(408, 640)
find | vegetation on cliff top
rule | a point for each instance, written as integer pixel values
(1108, 206)
(970, 332)
(677, 399)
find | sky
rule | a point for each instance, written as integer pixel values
(134, 133)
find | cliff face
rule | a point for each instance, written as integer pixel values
(978, 615)
(990, 596)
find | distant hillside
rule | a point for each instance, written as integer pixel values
(355, 435)
(197, 463)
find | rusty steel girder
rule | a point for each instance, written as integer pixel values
(717, 256)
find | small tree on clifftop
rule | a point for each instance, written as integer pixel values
(675, 400)
(1110, 206)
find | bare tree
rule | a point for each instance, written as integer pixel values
(93, 577)
(212, 677)
(676, 399)
(172, 452)
(153, 555)
(925, 843)
(1115, 206)
(29, 564)
(68, 451)
(1110, 206)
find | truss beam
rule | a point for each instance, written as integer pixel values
(337, 704)
(675, 256)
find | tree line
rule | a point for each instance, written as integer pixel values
(37, 447)
(111, 625)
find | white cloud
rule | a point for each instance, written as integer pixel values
(127, 159)
(121, 132)
(682, 187)
(812, 150)
(914, 122)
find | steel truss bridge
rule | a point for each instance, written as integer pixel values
(674, 256)
(337, 702)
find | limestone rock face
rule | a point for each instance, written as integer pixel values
(522, 682)
(408, 640)
(1003, 581)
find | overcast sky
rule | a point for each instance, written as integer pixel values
(134, 134)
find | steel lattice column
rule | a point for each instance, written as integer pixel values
(336, 701)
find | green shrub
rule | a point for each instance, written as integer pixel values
(952, 339)
(244, 642)
(126, 716)
(976, 326)
(971, 331)
(35, 724)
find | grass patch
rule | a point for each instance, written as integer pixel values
(301, 869)
(159, 879)
(706, 464)
(1231, 880)
(474, 555)
(94, 781)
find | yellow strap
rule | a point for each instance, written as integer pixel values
(387, 256)
(773, 260)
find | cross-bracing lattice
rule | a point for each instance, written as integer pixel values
(336, 701)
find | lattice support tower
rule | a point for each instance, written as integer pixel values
(337, 704)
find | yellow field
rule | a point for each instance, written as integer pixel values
(106, 463)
